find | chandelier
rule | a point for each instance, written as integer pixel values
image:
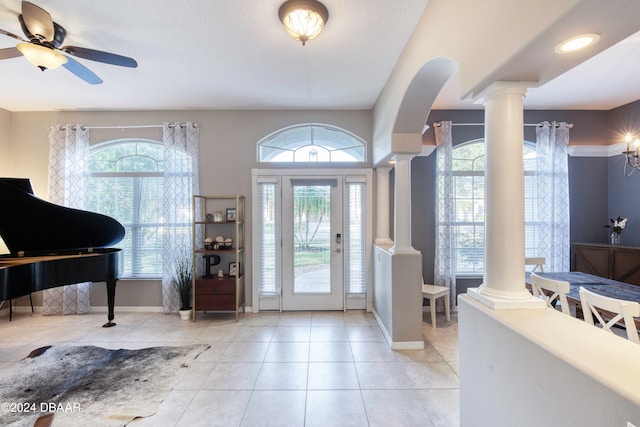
(303, 19)
(631, 162)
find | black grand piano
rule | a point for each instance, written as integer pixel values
(52, 245)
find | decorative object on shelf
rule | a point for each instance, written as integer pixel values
(233, 269)
(183, 282)
(209, 261)
(220, 274)
(217, 216)
(209, 217)
(303, 19)
(231, 214)
(616, 227)
(208, 243)
(632, 154)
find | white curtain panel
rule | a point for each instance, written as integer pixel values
(552, 140)
(444, 273)
(68, 175)
(180, 184)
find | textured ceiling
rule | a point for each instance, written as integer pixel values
(234, 54)
(212, 54)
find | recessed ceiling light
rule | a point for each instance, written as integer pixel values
(577, 43)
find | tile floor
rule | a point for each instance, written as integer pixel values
(275, 369)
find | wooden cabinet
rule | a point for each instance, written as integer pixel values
(621, 263)
(218, 261)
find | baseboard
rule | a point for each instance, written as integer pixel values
(397, 345)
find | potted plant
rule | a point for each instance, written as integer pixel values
(182, 282)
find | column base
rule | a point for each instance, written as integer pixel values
(500, 300)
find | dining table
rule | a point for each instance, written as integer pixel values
(599, 285)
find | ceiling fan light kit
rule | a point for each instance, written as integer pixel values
(42, 57)
(43, 46)
(303, 19)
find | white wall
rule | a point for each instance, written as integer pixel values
(540, 367)
(227, 153)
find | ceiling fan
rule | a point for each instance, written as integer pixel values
(44, 45)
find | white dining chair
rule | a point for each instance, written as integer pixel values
(536, 262)
(558, 288)
(623, 310)
(434, 292)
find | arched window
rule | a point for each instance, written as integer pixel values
(310, 143)
(469, 206)
(126, 183)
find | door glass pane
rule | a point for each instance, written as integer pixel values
(312, 246)
(354, 239)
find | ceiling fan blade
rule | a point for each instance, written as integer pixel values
(10, 52)
(100, 56)
(38, 21)
(81, 71)
(15, 36)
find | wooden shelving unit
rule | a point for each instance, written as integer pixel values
(218, 218)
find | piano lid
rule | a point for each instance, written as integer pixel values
(32, 225)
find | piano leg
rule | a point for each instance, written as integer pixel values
(111, 297)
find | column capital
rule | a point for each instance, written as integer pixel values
(402, 156)
(499, 89)
(383, 169)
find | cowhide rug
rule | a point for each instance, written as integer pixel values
(91, 386)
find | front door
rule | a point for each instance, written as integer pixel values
(312, 236)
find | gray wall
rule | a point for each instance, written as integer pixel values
(227, 153)
(624, 191)
(590, 180)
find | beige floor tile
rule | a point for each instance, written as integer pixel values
(282, 376)
(329, 333)
(442, 405)
(427, 375)
(215, 408)
(245, 352)
(373, 352)
(365, 333)
(285, 369)
(339, 408)
(288, 352)
(232, 376)
(254, 334)
(395, 408)
(291, 333)
(382, 376)
(275, 408)
(332, 376)
(330, 351)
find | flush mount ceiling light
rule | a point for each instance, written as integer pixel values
(577, 43)
(41, 56)
(303, 19)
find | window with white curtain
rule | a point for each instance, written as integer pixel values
(469, 205)
(126, 183)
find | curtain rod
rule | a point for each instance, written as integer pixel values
(437, 124)
(126, 127)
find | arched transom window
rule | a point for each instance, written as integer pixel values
(309, 143)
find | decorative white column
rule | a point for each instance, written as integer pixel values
(382, 207)
(402, 205)
(504, 270)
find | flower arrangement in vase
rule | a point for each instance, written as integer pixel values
(616, 226)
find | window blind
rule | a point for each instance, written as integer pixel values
(354, 242)
(269, 254)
